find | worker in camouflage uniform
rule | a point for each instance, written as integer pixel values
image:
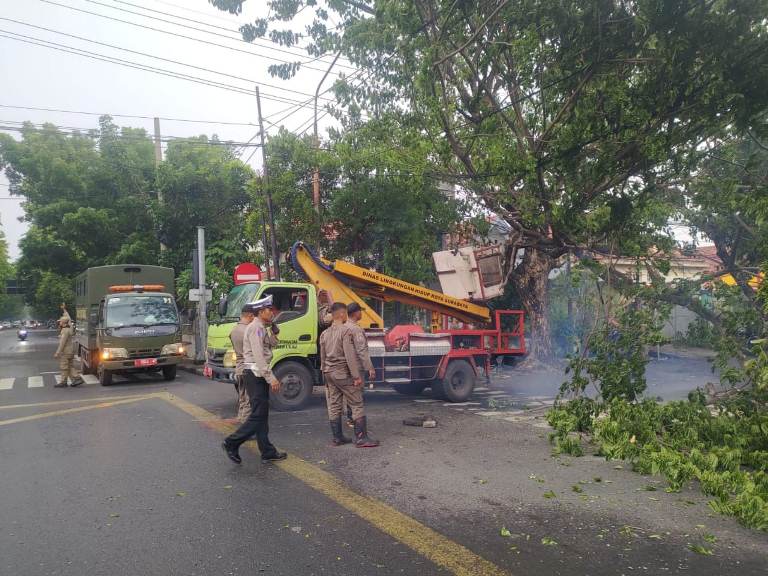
(66, 354)
(343, 379)
(237, 337)
(258, 342)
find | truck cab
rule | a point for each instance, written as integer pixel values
(295, 359)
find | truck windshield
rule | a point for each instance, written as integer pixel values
(140, 310)
(238, 297)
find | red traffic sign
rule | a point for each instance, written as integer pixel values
(247, 272)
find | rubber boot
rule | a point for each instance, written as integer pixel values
(338, 435)
(77, 381)
(361, 434)
(350, 421)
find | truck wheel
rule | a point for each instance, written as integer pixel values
(169, 373)
(105, 377)
(458, 384)
(410, 389)
(295, 386)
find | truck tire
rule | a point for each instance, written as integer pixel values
(169, 373)
(458, 383)
(105, 377)
(410, 389)
(295, 386)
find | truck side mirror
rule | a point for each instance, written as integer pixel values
(223, 306)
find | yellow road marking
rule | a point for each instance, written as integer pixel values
(73, 410)
(431, 544)
(73, 401)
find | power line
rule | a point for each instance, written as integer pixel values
(129, 64)
(84, 39)
(264, 43)
(176, 34)
(72, 130)
(221, 122)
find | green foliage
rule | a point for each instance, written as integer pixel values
(53, 290)
(614, 355)
(574, 120)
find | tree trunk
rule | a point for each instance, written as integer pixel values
(530, 279)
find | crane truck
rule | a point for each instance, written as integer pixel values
(405, 357)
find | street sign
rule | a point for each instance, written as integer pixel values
(194, 295)
(247, 272)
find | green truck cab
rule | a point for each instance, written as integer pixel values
(296, 359)
(127, 321)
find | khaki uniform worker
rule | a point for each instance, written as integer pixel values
(237, 337)
(341, 374)
(355, 313)
(258, 342)
(66, 354)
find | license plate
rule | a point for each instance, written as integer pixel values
(145, 362)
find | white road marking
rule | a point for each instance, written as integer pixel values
(35, 382)
(426, 401)
(90, 379)
(6, 383)
(481, 389)
(497, 393)
(460, 404)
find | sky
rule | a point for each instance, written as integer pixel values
(35, 76)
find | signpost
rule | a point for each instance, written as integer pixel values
(247, 272)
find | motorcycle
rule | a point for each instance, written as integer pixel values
(22, 334)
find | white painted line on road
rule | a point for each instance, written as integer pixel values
(35, 382)
(481, 389)
(426, 401)
(90, 379)
(6, 383)
(496, 393)
(459, 404)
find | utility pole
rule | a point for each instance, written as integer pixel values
(201, 343)
(158, 160)
(270, 210)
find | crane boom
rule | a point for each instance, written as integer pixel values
(349, 283)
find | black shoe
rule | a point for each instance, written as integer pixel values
(232, 453)
(273, 457)
(338, 435)
(362, 440)
(61, 384)
(76, 382)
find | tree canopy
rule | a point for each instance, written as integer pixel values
(568, 119)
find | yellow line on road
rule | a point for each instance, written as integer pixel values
(441, 550)
(78, 409)
(73, 401)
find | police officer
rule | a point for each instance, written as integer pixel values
(258, 342)
(342, 377)
(66, 354)
(237, 336)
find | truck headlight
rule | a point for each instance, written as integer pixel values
(113, 353)
(170, 349)
(230, 359)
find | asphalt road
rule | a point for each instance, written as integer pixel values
(130, 480)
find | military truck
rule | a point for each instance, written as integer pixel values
(127, 321)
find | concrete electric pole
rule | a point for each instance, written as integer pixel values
(270, 209)
(201, 344)
(158, 160)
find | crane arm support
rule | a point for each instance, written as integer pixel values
(320, 273)
(347, 280)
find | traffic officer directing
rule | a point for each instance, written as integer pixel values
(342, 377)
(237, 337)
(355, 313)
(66, 354)
(258, 342)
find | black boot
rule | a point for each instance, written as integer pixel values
(232, 452)
(77, 381)
(338, 435)
(277, 455)
(361, 434)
